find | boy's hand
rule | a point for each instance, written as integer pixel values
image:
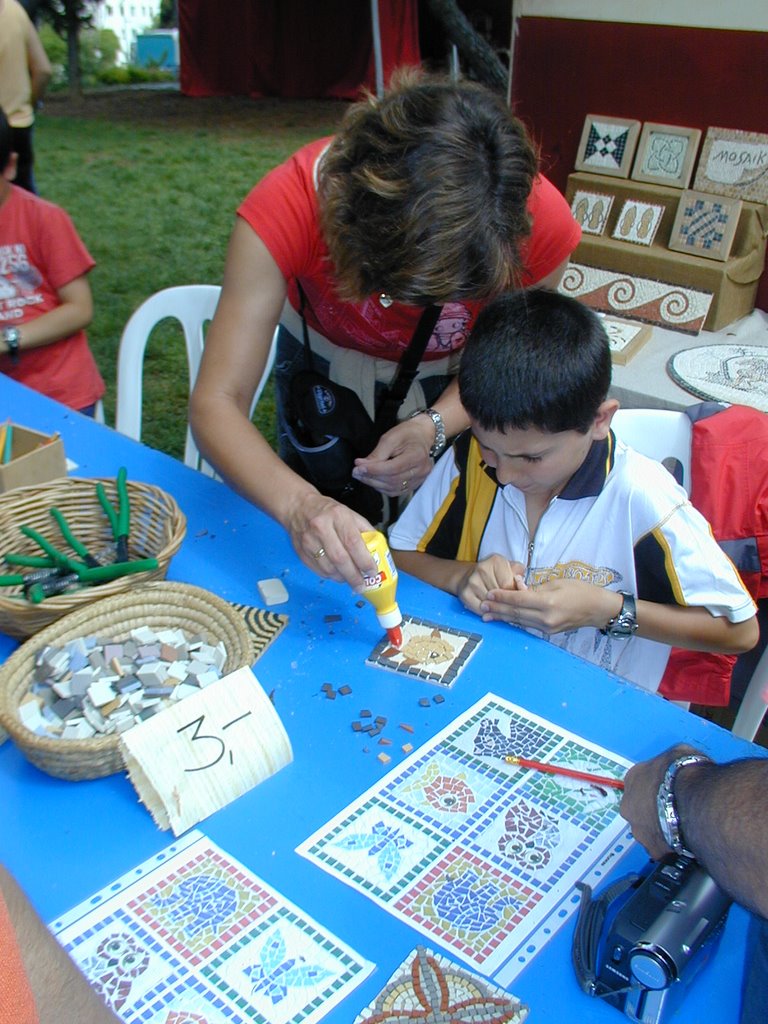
(552, 607)
(492, 574)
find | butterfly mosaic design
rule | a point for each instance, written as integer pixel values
(383, 842)
(277, 973)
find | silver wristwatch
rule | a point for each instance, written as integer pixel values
(669, 820)
(623, 625)
(11, 337)
(440, 439)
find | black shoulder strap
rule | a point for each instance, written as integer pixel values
(408, 367)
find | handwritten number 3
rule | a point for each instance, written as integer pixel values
(197, 735)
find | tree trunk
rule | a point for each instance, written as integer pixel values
(73, 59)
(475, 51)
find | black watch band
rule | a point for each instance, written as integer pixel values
(623, 625)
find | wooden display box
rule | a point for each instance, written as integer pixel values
(733, 283)
(35, 459)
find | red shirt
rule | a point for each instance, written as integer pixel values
(17, 1005)
(40, 251)
(282, 210)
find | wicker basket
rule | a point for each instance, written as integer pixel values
(157, 605)
(157, 528)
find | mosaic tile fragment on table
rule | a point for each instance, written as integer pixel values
(641, 298)
(477, 855)
(638, 221)
(192, 935)
(431, 652)
(591, 210)
(429, 987)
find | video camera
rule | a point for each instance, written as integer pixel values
(643, 940)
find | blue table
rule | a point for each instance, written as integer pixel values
(65, 840)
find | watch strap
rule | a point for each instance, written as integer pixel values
(11, 339)
(669, 819)
(623, 625)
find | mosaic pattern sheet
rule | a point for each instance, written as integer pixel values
(430, 987)
(429, 651)
(193, 936)
(475, 854)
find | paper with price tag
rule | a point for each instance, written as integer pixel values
(206, 751)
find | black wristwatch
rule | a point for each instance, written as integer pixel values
(11, 337)
(669, 820)
(623, 625)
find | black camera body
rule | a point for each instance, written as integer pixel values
(660, 938)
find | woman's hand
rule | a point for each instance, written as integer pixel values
(401, 461)
(326, 536)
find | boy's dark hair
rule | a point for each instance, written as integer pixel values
(6, 147)
(424, 192)
(535, 359)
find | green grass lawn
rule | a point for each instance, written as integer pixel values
(154, 200)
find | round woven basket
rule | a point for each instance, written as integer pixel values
(157, 528)
(157, 605)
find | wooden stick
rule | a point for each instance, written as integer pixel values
(571, 773)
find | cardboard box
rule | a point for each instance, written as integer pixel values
(733, 283)
(35, 459)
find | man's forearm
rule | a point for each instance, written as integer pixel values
(723, 811)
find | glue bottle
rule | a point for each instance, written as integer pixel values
(380, 588)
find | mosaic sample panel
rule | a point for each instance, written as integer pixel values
(591, 210)
(625, 337)
(430, 987)
(655, 302)
(476, 854)
(191, 935)
(726, 373)
(666, 154)
(607, 145)
(705, 225)
(734, 163)
(429, 651)
(638, 222)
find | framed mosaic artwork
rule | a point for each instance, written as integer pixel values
(734, 163)
(626, 337)
(591, 210)
(666, 154)
(638, 221)
(607, 145)
(705, 225)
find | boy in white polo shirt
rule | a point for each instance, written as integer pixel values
(539, 516)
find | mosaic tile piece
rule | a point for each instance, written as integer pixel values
(734, 163)
(429, 987)
(656, 302)
(429, 651)
(666, 154)
(607, 145)
(705, 225)
(478, 855)
(591, 210)
(193, 936)
(638, 222)
(625, 337)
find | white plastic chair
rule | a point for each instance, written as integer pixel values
(663, 434)
(193, 305)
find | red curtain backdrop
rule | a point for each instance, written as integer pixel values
(699, 78)
(291, 48)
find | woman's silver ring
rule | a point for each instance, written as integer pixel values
(405, 485)
(320, 553)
